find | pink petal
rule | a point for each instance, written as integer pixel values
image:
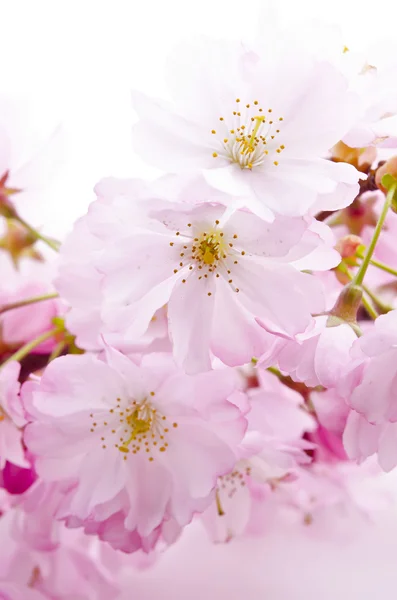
(236, 337)
(190, 314)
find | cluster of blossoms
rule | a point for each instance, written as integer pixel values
(217, 345)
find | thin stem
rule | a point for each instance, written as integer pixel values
(359, 277)
(367, 305)
(275, 372)
(57, 350)
(27, 301)
(27, 348)
(383, 267)
(356, 328)
(54, 244)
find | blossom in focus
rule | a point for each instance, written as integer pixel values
(229, 285)
(12, 417)
(149, 436)
(257, 124)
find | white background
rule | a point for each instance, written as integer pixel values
(80, 58)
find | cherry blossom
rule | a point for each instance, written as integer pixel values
(272, 450)
(147, 435)
(257, 124)
(220, 354)
(372, 377)
(215, 277)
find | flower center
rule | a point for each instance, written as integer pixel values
(246, 137)
(138, 427)
(230, 483)
(210, 248)
(209, 253)
(2, 414)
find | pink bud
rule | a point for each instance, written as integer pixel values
(348, 245)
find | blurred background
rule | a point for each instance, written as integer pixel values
(75, 62)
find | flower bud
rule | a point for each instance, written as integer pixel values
(348, 246)
(388, 168)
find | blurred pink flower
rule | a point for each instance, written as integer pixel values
(24, 324)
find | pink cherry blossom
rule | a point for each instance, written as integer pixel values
(98, 312)
(215, 277)
(12, 417)
(147, 437)
(256, 123)
(272, 450)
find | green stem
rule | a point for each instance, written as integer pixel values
(28, 301)
(27, 348)
(359, 277)
(54, 244)
(367, 305)
(383, 267)
(275, 372)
